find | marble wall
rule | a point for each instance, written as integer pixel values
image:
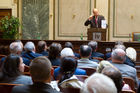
(35, 19)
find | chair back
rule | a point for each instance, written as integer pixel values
(82, 77)
(127, 91)
(130, 82)
(7, 88)
(70, 90)
(98, 58)
(89, 71)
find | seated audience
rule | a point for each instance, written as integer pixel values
(41, 70)
(118, 58)
(85, 53)
(54, 53)
(30, 51)
(69, 45)
(98, 83)
(16, 49)
(67, 77)
(94, 45)
(42, 48)
(11, 71)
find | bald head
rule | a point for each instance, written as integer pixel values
(118, 56)
(95, 12)
(85, 51)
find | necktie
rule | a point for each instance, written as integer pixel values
(96, 19)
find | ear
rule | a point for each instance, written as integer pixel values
(52, 71)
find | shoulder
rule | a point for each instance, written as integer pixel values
(20, 89)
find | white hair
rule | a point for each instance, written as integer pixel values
(98, 83)
(131, 53)
(29, 46)
(15, 47)
(66, 52)
(118, 54)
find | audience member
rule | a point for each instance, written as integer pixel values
(102, 65)
(16, 48)
(54, 53)
(67, 52)
(41, 71)
(94, 45)
(11, 71)
(131, 54)
(98, 83)
(69, 45)
(42, 48)
(118, 58)
(78, 71)
(67, 77)
(30, 51)
(85, 53)
(115, 75)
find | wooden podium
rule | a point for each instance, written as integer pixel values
(96, 34)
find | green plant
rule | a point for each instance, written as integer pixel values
(9, 27)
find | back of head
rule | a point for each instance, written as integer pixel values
(10, 67)
(40, 69)
(131, 53)
(118, 55)
(69, 45)
(93, 45)
(15, 48)
(119, 43)
(98, 83)
(29, 47)
(85, 50)
(67, 67)
(54, 50)
(120, 47)
(102, 65)
(41, 46)
(115, 75)
(66, 52)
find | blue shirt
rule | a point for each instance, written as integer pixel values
(77, 72)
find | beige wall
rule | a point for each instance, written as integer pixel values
(9, 4)
(68, 16)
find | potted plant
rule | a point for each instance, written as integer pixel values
(9, 27)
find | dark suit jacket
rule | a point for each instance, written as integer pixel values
(31, 55)
(35, 88)
(93, 23)
(97, 54)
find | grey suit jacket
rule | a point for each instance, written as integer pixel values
(127, 71)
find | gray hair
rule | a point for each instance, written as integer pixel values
(29, 46)
(93, 45)
(15, 47)
(120, 47)
(118, 54)
(98, 83)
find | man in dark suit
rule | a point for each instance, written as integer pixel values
(30, 51)
(95, 20)
(40, 70)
